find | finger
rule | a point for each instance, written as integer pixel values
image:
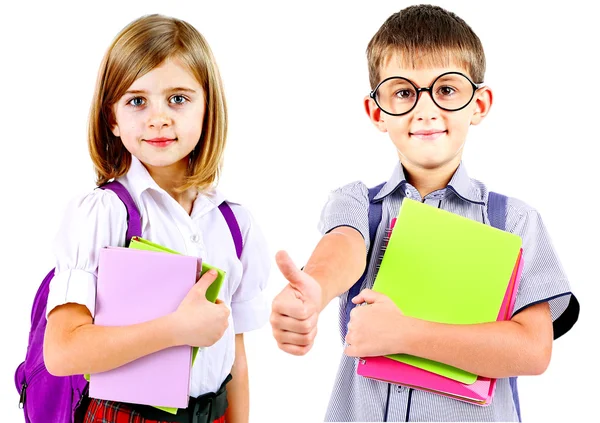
(205, 281)
(351, 351)
(302, 340)
(294, 349)
(291, 307)
(290, 324)
(288, 269)
(367, 296)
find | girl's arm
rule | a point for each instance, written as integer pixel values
(238, 392)
(74, 345)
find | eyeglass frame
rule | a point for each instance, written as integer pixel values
(427, 89)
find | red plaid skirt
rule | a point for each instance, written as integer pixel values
(100, 411)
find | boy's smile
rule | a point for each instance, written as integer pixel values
(428, 137)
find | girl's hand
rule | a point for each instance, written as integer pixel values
(376, 328)
(197, 321)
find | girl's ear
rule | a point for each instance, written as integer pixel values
(115, 130)
(375, 114)
(483, 103)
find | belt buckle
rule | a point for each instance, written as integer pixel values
(203, 416)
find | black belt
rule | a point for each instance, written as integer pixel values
(204, 409)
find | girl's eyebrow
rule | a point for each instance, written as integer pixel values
(168, 90)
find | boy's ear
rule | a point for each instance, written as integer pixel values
(483, 102)
(375, 114)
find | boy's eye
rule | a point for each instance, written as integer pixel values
(403, 94)
(178, 99)
(446, 90)
(136, 102)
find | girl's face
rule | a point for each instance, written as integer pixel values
(159, 118)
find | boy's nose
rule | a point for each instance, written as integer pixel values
(426, 108)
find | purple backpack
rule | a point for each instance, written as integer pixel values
(45, 398)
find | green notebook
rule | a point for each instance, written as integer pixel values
(211, 293)
(442, 267)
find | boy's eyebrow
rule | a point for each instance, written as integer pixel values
(167, 90)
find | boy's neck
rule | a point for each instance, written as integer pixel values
(427, 181)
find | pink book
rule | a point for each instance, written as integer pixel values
(135, 286)
(480, 392)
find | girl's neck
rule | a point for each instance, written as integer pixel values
(171, 177)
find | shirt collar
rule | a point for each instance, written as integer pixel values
(138, 180)
(460, 184)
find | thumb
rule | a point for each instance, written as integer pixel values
(204, 282)
(295, 277)
(368, 296)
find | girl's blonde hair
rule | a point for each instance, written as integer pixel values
(140, 47)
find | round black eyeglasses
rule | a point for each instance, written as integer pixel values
(451, 91)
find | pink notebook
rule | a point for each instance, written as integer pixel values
(480, 392)
(135, 286)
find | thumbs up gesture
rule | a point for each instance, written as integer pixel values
(198, 322)
(296, 308)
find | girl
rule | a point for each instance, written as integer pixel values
(158, 125)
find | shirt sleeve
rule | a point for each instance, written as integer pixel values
(249, 306)
(543, 278)
(91, 222)
(347, 206)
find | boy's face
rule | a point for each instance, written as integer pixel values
(428, 138)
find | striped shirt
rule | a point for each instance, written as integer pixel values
(356, 398)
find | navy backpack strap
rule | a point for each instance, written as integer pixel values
(234, 227)
(134, 220)
(374, 219)
(496, 210)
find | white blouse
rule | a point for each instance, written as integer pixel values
(99, 219)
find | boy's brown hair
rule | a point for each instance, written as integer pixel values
(140, 47)
(426, 35)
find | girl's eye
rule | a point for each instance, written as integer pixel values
(178, 99)
(136, 102)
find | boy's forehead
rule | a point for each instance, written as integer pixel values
(421, 69)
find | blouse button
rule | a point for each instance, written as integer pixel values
(407, 192)
(195, 238)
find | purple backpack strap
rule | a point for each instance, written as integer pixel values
(134, 220)
(234, 227)
(374, 219)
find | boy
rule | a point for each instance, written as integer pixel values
(426, 70)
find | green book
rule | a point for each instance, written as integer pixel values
(442, 267)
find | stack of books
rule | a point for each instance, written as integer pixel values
(135, 285)
(445, 268)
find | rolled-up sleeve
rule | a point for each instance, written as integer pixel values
(249, 307)
(91, 222)
(543, 278)
(347, 206)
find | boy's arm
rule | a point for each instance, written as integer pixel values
(238, 391)
(336, 263)
(521, 346)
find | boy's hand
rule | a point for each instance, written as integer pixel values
(198, 322)
(296, 309)
(375, 328)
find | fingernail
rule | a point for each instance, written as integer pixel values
(212, 272)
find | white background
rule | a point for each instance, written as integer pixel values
(295, 75)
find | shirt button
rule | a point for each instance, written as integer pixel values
(407, 192)
(195, 238)
(400, 388)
